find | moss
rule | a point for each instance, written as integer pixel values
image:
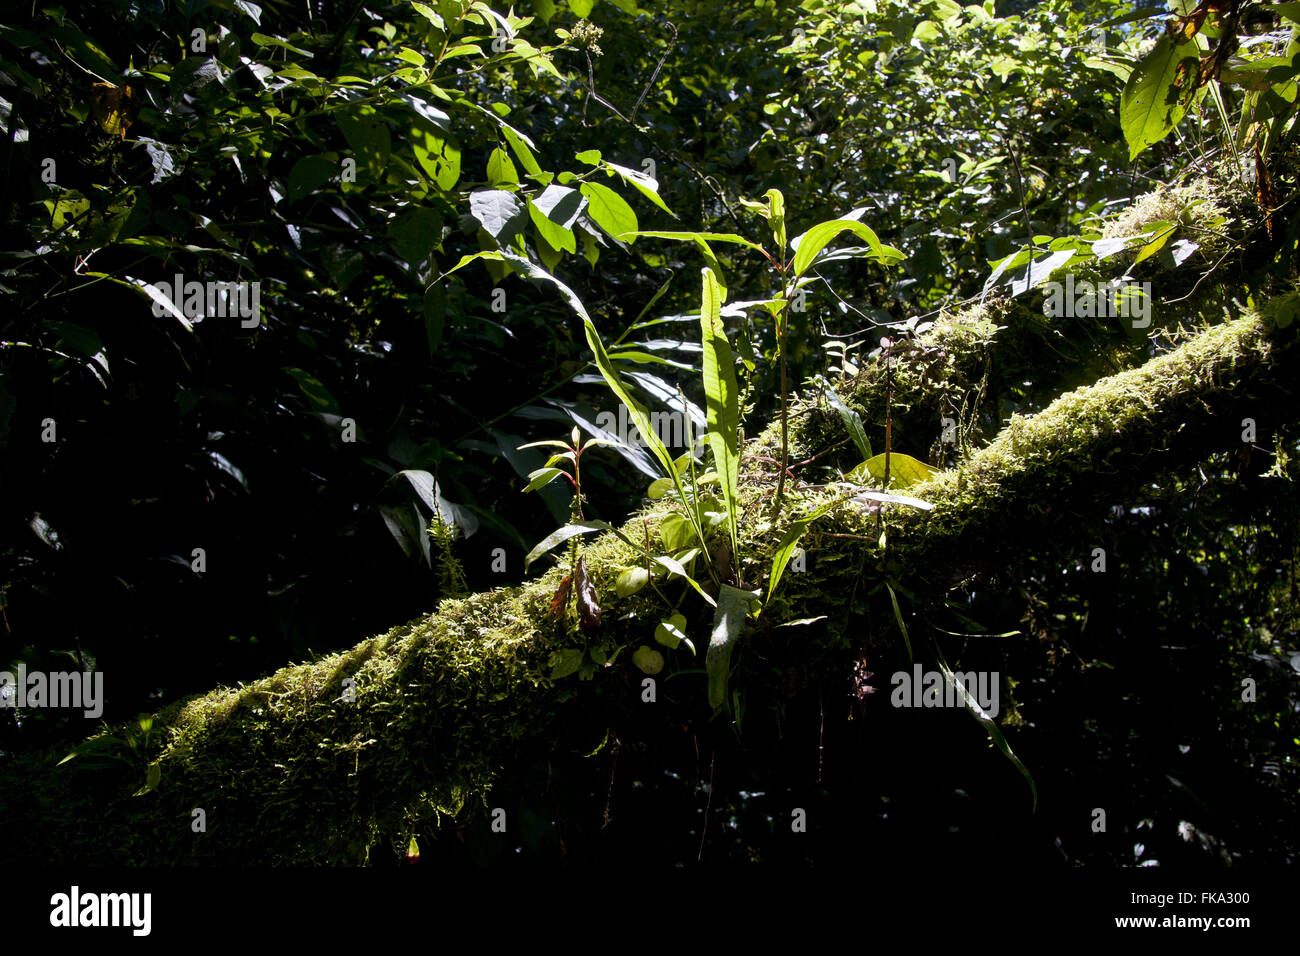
(438, 704)
(1199, 208)
(1112, 433)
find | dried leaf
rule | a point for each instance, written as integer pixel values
(561, 599)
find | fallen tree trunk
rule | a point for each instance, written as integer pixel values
(317, 762)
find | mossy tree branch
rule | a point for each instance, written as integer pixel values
(319, 761)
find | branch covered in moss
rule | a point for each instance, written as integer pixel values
(318, 762)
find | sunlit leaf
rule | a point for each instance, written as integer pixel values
(728, 620)
(560, 535)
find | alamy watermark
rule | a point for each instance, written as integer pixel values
(668, 427)
(75, 908)
(1099, 300)
(212, 299)
(76, 689)
(929, 689)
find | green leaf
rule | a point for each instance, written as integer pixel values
(677, 569)
(728, 619)
(152, 777)
(1156, 244)
(438, 156)
(776, 217)
(1151, 105)
(676, 532)
(565, 662)
(898, 616)
(500, 170)
(785, 547)
(554, 212)
(519, 144)
(658, 488)
(367, 137)
(463, 49)
(410, 56)
(693, 236)
(642, 183)
(808, 245)
(556, 236)
(671, 631)
(630, 581)
(927, 31)
(542, 477)
(648, 660)
(321, 399)
(985, 721)
(852, 422)
(492, 256)
(261, 39)
(722, 397)
(309, 174)
(498, 211)
(904, 470)
(711, 261)
(560, 535)
(415, 232)
(427, 12)
(566, 455)
(609, 210)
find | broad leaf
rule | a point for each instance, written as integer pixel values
(728, 619)
(630, 581)
(565, 662)
(642, 183)
(676, 569)
(499, 212)
(609, 210)
(904, 470)
(560, 535)
(819, 236)
(672, 631)
(500, 170)
(676, 532)
(1151, 104)
(309, 174)
(648, 660)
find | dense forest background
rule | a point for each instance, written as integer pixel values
(191, 501)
